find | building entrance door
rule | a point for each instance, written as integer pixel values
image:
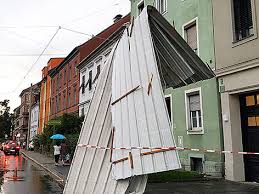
(250, 134)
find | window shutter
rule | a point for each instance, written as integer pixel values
(83, 84)
(194, 101)
(90, 79)
(191, 36)
(97, 74)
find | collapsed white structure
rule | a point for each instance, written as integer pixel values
(91, 168)
(139, 112)
(128, 110)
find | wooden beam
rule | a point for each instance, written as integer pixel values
(155, 151)
(123, 96)
(150, 85)
(131, 160)
(120, 160)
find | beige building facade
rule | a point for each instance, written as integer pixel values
(237, 68)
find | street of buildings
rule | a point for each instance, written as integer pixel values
(220, 113)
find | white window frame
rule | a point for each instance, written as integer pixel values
(198, 130)
(186, 25)
(138, 5)
(157, 3)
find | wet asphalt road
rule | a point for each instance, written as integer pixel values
(26, 180)
(30, 180)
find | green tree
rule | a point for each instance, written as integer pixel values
(5, 118)
(70, 127)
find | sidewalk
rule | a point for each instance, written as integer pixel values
(59, 173)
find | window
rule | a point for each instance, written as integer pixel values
(60, 80)
(68, 99)
(168, 105)
(243, 19)
(64, 100)
(75, 95)
(83, 84)
(97, 74)
(161, 6)
(65, 76)
(140, 6)
(191, 35)
(52, 106)
(53, 85)
(83, 112)
(56, 104)
(69, 73)
(57, 82)
(75, 69)
(59, 102)
(195, 111)
(194, 116)
(90, 80)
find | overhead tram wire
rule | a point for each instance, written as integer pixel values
(59, 28)
(94, 12)
(87, 34)
(15, 33)
(31, 55)
(15, 27)
(27, 73)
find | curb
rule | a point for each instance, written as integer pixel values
(54, 175)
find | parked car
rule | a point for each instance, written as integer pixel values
(11, 147)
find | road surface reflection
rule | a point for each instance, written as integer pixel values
(17, 175)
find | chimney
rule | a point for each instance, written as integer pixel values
(117, 18)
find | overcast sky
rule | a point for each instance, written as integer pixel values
(26, 27)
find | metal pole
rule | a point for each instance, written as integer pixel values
(29, 120)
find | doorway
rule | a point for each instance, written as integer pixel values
(249, 106)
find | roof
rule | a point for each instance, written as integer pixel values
(88, 47)
(37, 85)
(178, 64)
(107, 43)
(66, 60)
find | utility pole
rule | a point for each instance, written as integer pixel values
(29, 120)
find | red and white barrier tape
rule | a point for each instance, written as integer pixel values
(168, 148)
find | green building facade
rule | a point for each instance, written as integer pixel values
(195, 109)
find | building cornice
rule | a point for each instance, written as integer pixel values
(237, 67)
